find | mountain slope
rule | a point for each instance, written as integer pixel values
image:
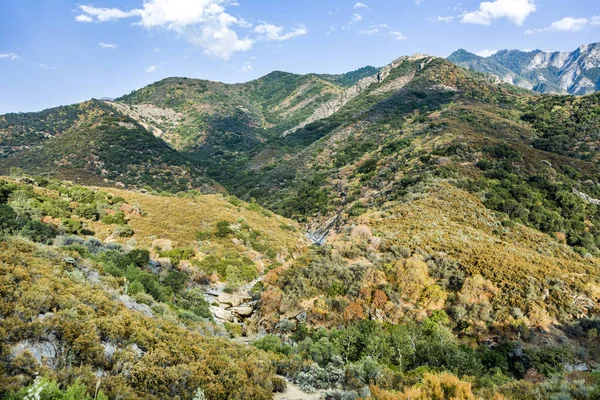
(577, 72)
(449, 141)
(95, 144)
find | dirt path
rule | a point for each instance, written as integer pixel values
(293, 392)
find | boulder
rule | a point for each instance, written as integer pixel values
(135, 306)
(233, 300)
(44, 351)
(243, 312)
(222, 314)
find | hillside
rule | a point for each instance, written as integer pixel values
(454, 222)
(575, 73)
(92, 143)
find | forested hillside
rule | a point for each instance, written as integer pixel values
(398, 233)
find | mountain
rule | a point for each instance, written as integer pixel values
(94, 143)
(423, 229)
(577, 72)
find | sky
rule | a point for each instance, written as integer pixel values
(57, 52)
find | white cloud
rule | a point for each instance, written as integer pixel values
(204, 23)
(397, 35)
(151, 68)
(104, 14)
(514, 10)
(567, 24)
(357, 17)
(360, 5)
(46, 66)
(446, 20)
(369, 31)
(84, 18)
(273, 32)
(246, 68)
(486, 53)
(9, 56)
(107, 45)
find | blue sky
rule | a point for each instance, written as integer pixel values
(55, 52)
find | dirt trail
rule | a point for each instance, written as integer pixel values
(293, 392)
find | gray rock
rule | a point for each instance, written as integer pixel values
(233, 300)
(301, 317)
(109, 350)
(244, 312)
(44, 352)
(132, 305)
(136, 349)
(222, 314)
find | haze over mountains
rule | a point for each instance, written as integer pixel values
(454, 221)
(576, 72)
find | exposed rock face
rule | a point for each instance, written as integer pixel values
(132, 305)
(44, 352)
(586, 197)
(222, 314)
(244, 312)
(151, 117)
(334, 105)
(233, 300)
(547, 72)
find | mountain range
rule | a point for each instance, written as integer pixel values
(576, 72)
(386, 233)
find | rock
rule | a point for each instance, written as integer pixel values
(132, 305)
(136, 350)
(44, 351)
(244, 312)
(301, 317)
(233, 300)
(162, 244)
(222, 314)
(581, 367)
(332, 106)
(586, 197)
(109, 350)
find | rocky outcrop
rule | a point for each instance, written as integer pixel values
(586, 197)
(334, 105)
(129, 303)
(547, 72)
(44, 351)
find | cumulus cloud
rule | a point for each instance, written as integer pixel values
(204, 23)
(486, 53)
(151, 68)
(360, 5)
(103, 14)
(84, 18)
(567, 24)
(273, 32)
(9, 56)
(107, 46)
(516, 11)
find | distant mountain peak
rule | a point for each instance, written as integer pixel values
(573, 72)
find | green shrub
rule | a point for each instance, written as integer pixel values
(223, 229)
(114, 219)
(38, 232)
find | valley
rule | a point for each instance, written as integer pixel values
(388, 233)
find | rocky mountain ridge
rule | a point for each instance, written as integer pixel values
(576, 72)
